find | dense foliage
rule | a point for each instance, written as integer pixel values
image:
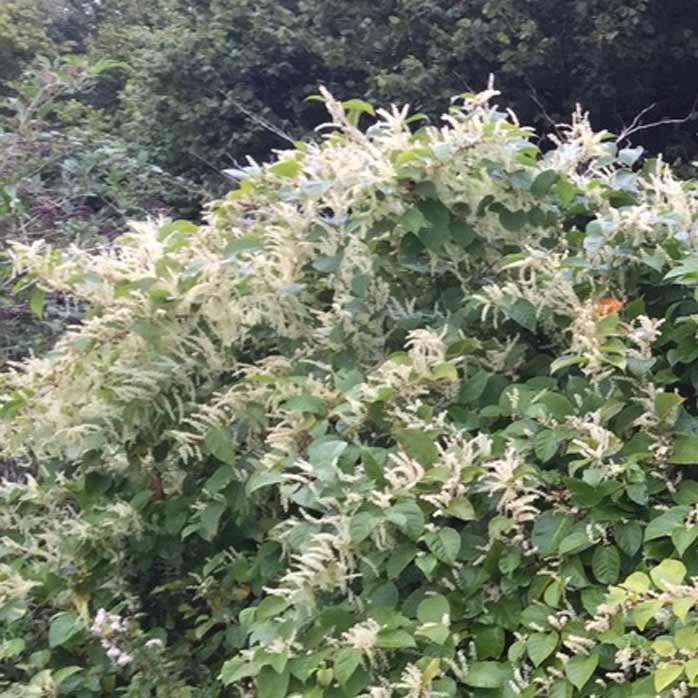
(412, 414)
(221, 71)
(66, 175)
(206, 82)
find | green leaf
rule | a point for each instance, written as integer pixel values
(437, 233)
(523, 312)
(326, 453)
(408, 517)
(665, 403)
(237, 668)
(361, 526)
(413, 220)
(394, 639)
(488, 674)
(305, 403)
(565, 362)
(219, 480)
(606, 564)
(433, 609)
(418, 445)
(220, 444)
(638, 582)
(685, 450)
(666, 674)
(64, 626)
(286, 168)
(358, 106)
(665, 523)
(575, 542)
(691, 668)
(540, 646)
(549, 529)
(346, 662)
(512, 220)
(668, 573)
(543, 182)
(629, 537)
(683, 538)
(65, 673)
(580, 669)
(461, 508)
(149, 331)
(489, 642)
(210, 519)
(271, 684)
(37, 300)
(644, 612)
(262, 478)
(401, 557)
(545, 444)
(445, 545)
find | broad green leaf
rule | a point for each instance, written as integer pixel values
(606, 564)
(523, 313)
(543, 182)
(408, 517)
(271, 684)
(644, 612)
(683, 538)
(512, 220)
(691, 669)
(666, 674)
(37, 301)
(668, 573)
(401, 557)
(488, 674)
(638, 582)
(445, 544)
(394, 639)
(286, 168)
(580, 669)
(433, 609)
(63, 627)
(686, 638)
(305, 403)
(540, 646)
(545, 444)
(361, 526)
(210, 519)
(665, 523)
(220, 444)
(418, 445)
(629, 537)
(685, 450)
(489, 642)
(346, 662)
(549, 529)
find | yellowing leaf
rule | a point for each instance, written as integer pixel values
(668, 573)
(638, 582)
(644, 612)
(666, 674)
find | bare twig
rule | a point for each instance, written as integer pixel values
(636, 124)
(264, 123)
(535, 98)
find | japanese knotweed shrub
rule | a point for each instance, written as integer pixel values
(412, 415)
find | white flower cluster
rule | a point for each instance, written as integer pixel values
(108, 626)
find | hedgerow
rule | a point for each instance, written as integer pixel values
(411, 415)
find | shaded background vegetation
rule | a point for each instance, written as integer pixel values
(123, 109)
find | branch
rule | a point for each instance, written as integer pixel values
(533, 94)
(636, 124)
